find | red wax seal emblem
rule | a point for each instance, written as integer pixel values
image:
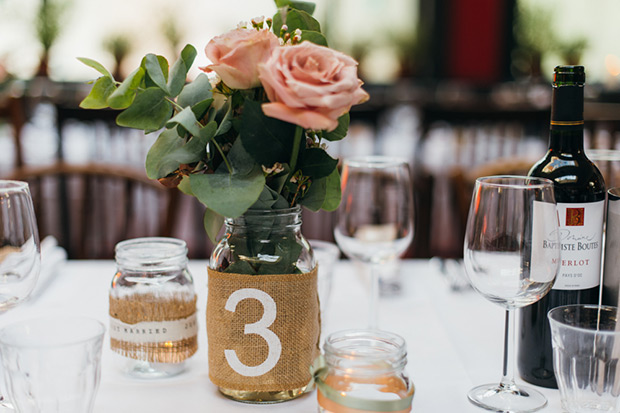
(575, 217)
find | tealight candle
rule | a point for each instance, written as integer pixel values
(363, 371)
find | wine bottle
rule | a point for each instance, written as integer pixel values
(580, 194)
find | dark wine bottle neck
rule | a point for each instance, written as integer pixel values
(566, 133)
(566, 139)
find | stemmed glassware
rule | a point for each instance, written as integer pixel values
(511, 256)
(20, 250)
(375, 217)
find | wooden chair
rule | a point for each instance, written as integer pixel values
(91, 207)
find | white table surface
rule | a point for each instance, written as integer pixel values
(454, 340)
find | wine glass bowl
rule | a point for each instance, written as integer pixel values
(375, 217)
(20, 251)
(511, 255)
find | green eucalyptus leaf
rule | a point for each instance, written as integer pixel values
(185, 187)
(269, 140)
(314, 37)
(306, 6)
(333, 193)
(213, 223)
(266, 199)
(195, 92)
(200, 109)
(228, 194)
(97, 66)
(226, 122)
(241, 267)
(278, 181)
(98, 96)
(281, 203)
(196, 148)
(158, 163)
(157, 69)
(149, 111)
(231, 194)
(341, 130)
(277, 23)
(315, 195)
(317, 163)
(178, 73)
(299, 19)
(188, 54)
(187, 119)
(240, 160)
(124, 95)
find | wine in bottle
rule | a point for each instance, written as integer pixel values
(580, 195)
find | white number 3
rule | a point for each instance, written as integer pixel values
(260, 327)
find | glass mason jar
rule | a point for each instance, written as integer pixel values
(262, 256)
(363, 369)
(153, 307)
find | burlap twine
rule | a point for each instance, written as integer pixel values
(138, 308)
(297, 326)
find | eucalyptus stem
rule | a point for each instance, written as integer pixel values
(219, 149)
(175, 104)
(295, 152)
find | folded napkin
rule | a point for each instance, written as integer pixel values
(53, 257)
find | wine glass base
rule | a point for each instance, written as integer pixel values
(507, 399)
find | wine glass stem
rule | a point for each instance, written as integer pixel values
(373, 321)
(508, 374)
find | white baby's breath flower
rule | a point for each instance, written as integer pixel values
(275, 169)
(214, 79)
(242, 25)
(257, 22)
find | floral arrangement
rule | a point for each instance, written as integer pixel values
(251, 132)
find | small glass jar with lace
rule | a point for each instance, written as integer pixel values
(153, 307)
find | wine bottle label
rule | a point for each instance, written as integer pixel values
(544, 242)
(581, 240)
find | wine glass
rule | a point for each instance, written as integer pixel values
(20, 251)
(375, 217)
(511, 256)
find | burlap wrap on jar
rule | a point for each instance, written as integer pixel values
(263, 330)
(153, 328)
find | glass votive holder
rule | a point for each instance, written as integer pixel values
(153, 307)
(326, 255)
(586, 357)
(363, 370)
(52, 363)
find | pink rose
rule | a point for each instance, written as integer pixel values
(310, 85)
(237, 53)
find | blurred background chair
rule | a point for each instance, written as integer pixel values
(91, 207)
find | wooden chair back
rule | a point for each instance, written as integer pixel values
(91, 207)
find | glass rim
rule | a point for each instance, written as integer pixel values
(279, 211)
(98, 332)
(134, 242)
(375, 161)
(551, 316)
(398, 345)
(9, 185)
(614, 192)
(527, 182)
(603, 154)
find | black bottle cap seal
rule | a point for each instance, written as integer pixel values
(567, 101)
(569, 76)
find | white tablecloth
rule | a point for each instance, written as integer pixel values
(454, 340)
